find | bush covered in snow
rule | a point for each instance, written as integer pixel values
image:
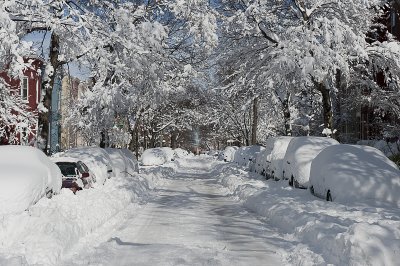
(299, 155)
(229, 153)
(348, 173)
(26, 175)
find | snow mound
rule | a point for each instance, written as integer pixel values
(50, 229)
(229, 153)
(26, 176)
(330, 233)
(299, 155)
(123, 161)
(157, 156)
(97, 159)
(132, 165)
(355, 173)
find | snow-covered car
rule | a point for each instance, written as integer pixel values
(26, 176)
(246, 154)
(299, 155)
(348, 173)
(157, 156)
(123, 161)
(181, 153)
(263, 159)
(132, 164)
(96, 158)
(76, 175)
(229, 153)
(274, 164)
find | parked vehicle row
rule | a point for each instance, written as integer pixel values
(27, 174)
(333, 171)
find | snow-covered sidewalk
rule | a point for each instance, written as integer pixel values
(327, 232)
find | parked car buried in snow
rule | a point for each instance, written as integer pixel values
(229, 153)
(299, 155)
(76, 175)
(274, 167)
(347, 173)
(26, 176)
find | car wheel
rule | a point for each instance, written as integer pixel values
(329, 196)
(291, 181)
(49, 193)
(312, 190)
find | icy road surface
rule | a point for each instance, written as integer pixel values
(189, 220)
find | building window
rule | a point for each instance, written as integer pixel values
(24, 89)
(37, 91)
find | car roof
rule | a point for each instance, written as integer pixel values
(64, 159)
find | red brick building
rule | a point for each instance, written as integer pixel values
(29, 89)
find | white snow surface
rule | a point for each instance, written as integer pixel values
(122, 161)
(97, 159)
(355, 173)
(326, 233)
(51, 228)
(181, 153)
(26, 174)
(299, 155)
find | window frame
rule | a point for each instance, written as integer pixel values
(22, 89)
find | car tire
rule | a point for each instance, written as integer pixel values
(49, 193)
(291, 181)
(328, 196)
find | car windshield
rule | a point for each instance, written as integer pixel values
(67, 169)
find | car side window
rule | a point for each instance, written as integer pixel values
(82, 167)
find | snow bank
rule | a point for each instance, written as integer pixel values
(355, 173)
(329, 233)
(123, 161)
(26, 175)
(157, 156)
(97, 159)
(132, 165)
(299, 155)
(51, 228)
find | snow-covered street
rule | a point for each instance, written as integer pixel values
(189, 220)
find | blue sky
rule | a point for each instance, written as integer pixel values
(41, 42)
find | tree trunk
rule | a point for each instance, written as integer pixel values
(327, 106)
(286, 115)
(255, 122)
(48, 84)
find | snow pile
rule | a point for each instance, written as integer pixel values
(229, 153)
(26, 175)
(157, 156)
(51, 228)
(97, 159)
(299, 155)
(355, 173)
(329, 233)
(245, 155)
